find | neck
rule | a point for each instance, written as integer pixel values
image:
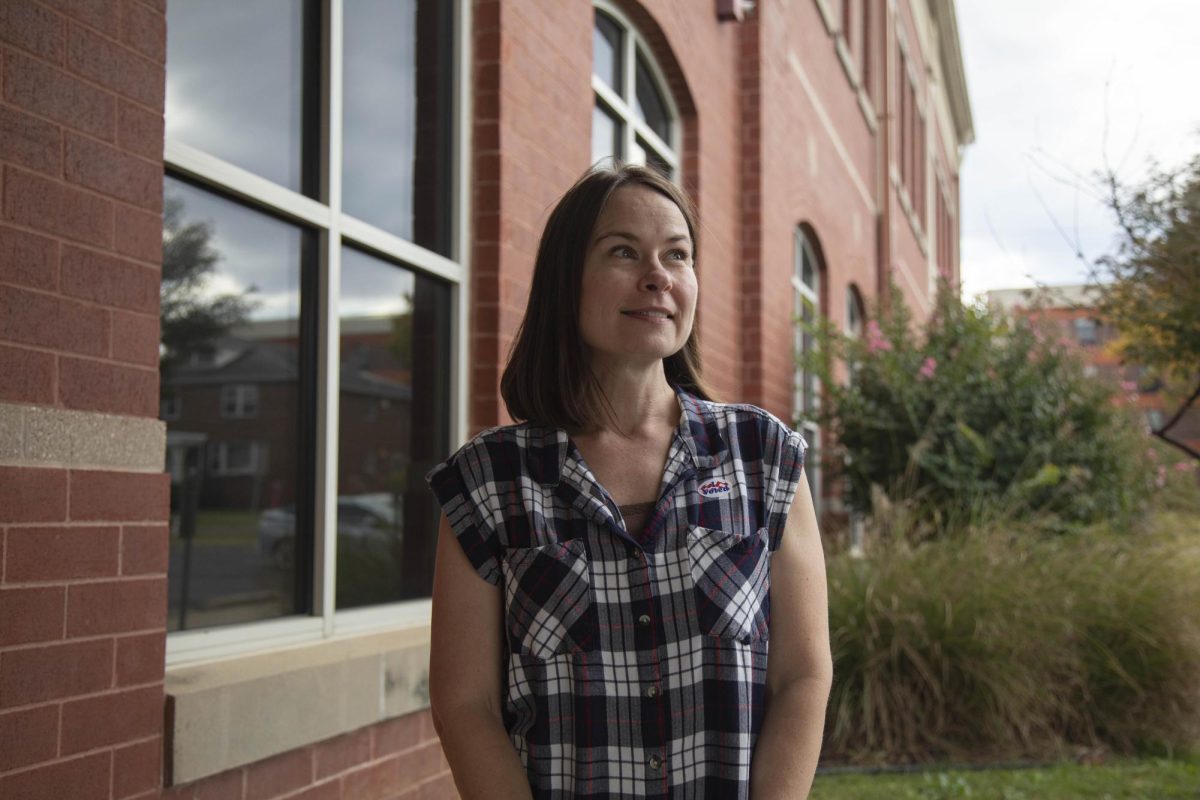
(641, 399)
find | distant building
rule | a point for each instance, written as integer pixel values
(1069, 311)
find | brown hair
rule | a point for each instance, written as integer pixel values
(549, 379)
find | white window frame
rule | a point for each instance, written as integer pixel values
(632, 43)
(170, 406)
(239, 401)
(1087, 332)
(803, 294)
(336, 229)
(219, 461)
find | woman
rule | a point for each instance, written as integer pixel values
(601, 612)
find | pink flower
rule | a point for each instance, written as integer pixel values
(929, 367)
(1161, 480)
(1128, 386)
(1184, 466)
(875, 340)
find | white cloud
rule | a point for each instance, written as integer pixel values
(1056, 88)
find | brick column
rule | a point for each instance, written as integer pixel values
(83, 499)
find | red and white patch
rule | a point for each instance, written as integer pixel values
(714, 487)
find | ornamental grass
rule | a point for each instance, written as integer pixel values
(1006, 644)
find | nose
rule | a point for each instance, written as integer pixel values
(656, 278)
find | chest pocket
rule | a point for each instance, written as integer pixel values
(732, 581)
(548, 599)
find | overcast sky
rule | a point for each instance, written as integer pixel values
(1044, 77)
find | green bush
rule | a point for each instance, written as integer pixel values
(1004, 645)
(972, 416)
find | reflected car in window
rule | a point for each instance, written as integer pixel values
(369, 521)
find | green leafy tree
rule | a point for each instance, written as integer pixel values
(972, 415)
(192, 319)
(1149, 289)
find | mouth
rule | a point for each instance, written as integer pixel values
(648, 313)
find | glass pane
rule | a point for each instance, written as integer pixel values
(606, 134)
(651, 158)
(853, 314)
(808, 275)
(638, 154)
(230, 372)
(649, 104)
(393, 428)
(234, 83)
(397, 125)
(606, 52)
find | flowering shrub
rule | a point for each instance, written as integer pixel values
(973, 414)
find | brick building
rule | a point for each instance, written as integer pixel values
(1070, 312)
(260, 266)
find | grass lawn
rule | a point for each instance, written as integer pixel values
(1148, 779)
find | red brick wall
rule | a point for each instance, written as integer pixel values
(532, 139)
(815, 148)
(396, 760)
(907, 254)
(82, 631)
(83, 554)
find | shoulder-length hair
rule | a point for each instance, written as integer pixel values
(549, 379)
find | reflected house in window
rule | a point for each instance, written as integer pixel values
(249, 458)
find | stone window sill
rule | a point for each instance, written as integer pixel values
(233, 712)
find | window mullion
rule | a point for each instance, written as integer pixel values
(325, 561)
(629, 82)
(653, 141)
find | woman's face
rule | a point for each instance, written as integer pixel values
(638, 295)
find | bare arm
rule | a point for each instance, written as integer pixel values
(464, 679)
(799, 665)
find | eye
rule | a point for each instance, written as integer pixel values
(624, 251)
(679, 255)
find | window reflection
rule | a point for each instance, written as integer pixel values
(397, 133)
(394, 396)
(649, 104)
(231, 381)
(235, 85)
(606, 52)
(605, 135)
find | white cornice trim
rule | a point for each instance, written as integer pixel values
(952, 68)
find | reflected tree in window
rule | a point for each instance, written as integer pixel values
(192, 321)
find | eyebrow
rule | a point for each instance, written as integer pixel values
(626, 235)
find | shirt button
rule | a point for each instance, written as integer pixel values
(635, 554)
(644, 620)
(652, 691)
(655, 761)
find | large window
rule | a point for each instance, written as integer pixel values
(806, 294)
(634, 118)
(911, 140)
(310, 260)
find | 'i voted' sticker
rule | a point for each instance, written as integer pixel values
(714, 487)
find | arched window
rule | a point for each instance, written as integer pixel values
(806, 297)
(635, 118)
(854, 312)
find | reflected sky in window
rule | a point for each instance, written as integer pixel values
(373, 288)
(606, 52)
(234, 86)
(649, 104)
(380, 113)
(258, 254)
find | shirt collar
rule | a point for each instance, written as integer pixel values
(698, 433)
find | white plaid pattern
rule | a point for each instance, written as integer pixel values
(636, 660)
